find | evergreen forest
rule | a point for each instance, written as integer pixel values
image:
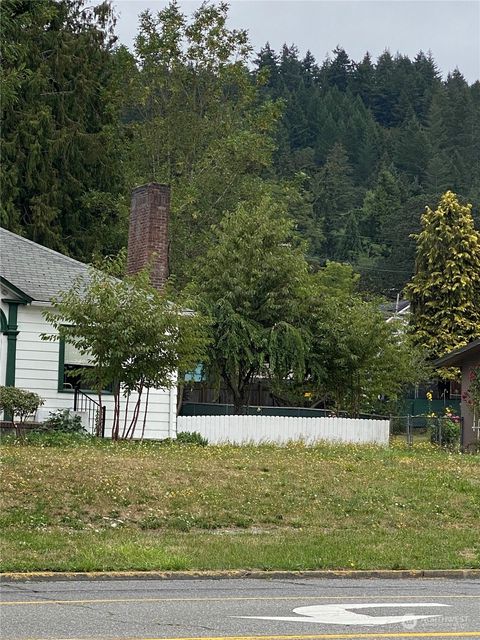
(352, 150)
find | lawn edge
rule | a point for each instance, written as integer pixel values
(257, 574)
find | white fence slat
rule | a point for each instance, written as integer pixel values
(281, 429)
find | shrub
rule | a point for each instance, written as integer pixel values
(191, 437)
(60, 439)
(19, 402)
(63, 421)
(446, 432)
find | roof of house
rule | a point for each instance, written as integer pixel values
(35, 271)
(459, 356)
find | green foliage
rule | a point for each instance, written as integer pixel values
(195, 121)
(249, 285)
(83, 121)
(136, 337)
(445, 289)
(445, 432)
(61, 171)
(311, 335)
(63, 421)
(191, 437)
(333, 196)
(394, 115)
(19, 402)
(54, 439)
(354, 361)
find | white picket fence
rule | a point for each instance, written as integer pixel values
(257, 429)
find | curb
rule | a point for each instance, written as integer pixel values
(260, 575)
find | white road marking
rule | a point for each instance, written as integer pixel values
(341, 614)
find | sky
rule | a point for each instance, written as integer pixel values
(450, 29)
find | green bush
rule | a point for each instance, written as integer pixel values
(191, 437)
(60, 439)
(19, 403)
(445, 432)
(63, 421)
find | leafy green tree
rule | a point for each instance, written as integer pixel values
(58, 144)
(249, 285)
(196, 121)
(354, 360)
(137, 338)
(445, 289)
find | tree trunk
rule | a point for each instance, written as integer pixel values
(126, 416)
(145, 414)
(239, 400)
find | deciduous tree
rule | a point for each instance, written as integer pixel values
(195, 121)
(137, 339)
(249, 284)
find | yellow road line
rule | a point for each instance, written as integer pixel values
(7, 603)
(321, 636)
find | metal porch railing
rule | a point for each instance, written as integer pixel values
(93, 409)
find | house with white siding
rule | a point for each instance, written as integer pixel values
(31, 275)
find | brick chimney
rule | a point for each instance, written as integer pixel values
(148, 231)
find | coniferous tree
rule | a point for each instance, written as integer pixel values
(334, 196)
(459, 124)
(59, 151)
(411, 153)
(426, 81)
(386, 91)
(445, 289)
(338, 71)
(362, 81)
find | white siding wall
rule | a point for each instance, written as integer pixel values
(244, 429)
(37, 370)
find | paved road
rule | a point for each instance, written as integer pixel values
(300, 609)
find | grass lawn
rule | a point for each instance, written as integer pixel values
(104, 506)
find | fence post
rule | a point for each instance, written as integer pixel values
(75, 399)
(409, 440)
(103, 421)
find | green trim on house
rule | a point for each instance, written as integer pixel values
(61, 372)
(3, 322)
(11, 332)
(23, 298)
(61, 364)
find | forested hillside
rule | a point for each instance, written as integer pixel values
(377, 141)
(353, 150)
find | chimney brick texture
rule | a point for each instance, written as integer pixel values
(148, 232)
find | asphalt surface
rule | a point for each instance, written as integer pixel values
(303, 609)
